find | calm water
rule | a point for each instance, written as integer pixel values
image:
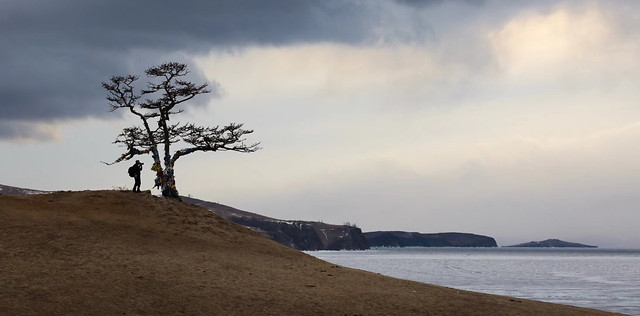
(605, 279)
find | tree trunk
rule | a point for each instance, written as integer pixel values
(169, 184)
(165, 179)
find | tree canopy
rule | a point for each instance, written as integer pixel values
(163, 97)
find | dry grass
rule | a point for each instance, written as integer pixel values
(121, 253)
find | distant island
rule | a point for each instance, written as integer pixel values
(409, 239)
(552, 243)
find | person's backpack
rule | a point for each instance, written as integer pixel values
(132, 171)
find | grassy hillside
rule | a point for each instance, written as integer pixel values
(121, 253)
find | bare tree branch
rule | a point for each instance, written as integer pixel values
(227, 138)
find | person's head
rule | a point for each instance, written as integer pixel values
(139, 163)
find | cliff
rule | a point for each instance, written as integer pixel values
(301, 235)
(408, 239)
(552, 243)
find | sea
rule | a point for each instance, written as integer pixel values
(604, 279)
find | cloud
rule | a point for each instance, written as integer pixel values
(56, 54)
(166, 24)
(534, 42)
(426, 3)
(28, 131)
(321, 70)
(571, 41)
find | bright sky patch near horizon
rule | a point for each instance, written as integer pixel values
(517, 120)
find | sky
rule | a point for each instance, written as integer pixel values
(518, 120)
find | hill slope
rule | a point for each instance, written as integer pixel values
(107, 253)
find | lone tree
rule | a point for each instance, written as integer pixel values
(165, 93)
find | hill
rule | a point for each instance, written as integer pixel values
(552, 243)
(122, 253)
(301, 235)
(407, 239)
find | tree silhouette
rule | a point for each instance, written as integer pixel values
(163, 97)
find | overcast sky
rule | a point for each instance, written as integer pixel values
(514, 119)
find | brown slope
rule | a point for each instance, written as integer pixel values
(107, 252)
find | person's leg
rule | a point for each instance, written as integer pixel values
(136, 186)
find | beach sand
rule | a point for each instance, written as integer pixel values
(122, 253)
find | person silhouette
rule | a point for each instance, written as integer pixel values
(136, 169)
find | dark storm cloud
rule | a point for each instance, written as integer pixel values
(55, 54)
(425, 3)
(419, 3)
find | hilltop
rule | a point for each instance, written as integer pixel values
(109, 252)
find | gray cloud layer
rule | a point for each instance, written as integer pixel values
(56, 53)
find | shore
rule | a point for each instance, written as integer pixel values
(110, 252)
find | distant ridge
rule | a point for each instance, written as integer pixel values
(552, 243)
(409, 239)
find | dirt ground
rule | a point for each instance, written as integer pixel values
(122, 253)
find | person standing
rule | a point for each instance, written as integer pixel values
(134, 171)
